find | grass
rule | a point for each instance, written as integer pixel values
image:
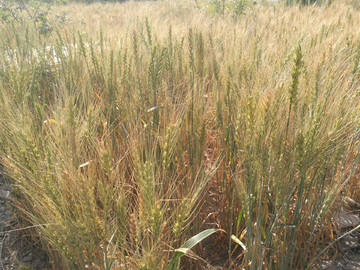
(142, 124)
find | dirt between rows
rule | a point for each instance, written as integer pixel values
(18, 249)
(348, 254)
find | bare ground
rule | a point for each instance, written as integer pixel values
(18, 250)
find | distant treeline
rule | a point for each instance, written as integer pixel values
(98, 1)
(221, 2)
(68, 1)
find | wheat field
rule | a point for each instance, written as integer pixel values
(134, 127)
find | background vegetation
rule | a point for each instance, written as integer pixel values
(129, 128)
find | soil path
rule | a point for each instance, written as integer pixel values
(345, 254)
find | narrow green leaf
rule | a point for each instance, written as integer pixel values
(189, 244)
(239, 220)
